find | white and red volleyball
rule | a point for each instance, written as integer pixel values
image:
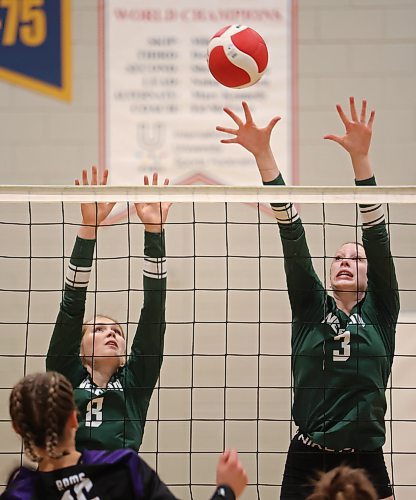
(237, 56)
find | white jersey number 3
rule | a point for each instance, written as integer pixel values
(94, 415)
(344, 353)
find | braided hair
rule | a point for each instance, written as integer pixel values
(343, 483)
(40, 406)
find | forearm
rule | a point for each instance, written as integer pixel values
(362, 167)
(147, 348)
(300, 274)
(267, 165)
(156, 228)
(87, 232)
(285, 213)
(67, 333)
(371, 214)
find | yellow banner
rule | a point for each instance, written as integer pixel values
(35, 45)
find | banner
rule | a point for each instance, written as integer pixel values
(162, 104)
(35, 45)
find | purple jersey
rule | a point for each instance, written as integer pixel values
(119, 474)
(98, 475)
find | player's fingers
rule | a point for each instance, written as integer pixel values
(105, 177)
(363, 111)
(94, 175)
(245, 476)
(233, 457)
(227, 130)
(342, 115)
(247, 112)
(155, 178)
(353, 110)
(146, 180)
(225, 456)
(233, 116)
(272, 123)
(166, 182)
(371, 119)
(76, 182)
(334, 138)
(85, 177)
(228, 141)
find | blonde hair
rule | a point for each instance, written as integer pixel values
(40, 406)
(343, 483)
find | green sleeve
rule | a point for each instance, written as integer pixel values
(381, 274)
(64, 347)
(146, 355)
(306, 293)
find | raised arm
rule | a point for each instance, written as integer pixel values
(255, 139)
(357, 138)
(231, 479)
(93, 214)
(231, 476)
(305, 290)
(63, 352)
(382, 282)
(147, 350)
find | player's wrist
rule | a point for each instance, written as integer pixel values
(153, 228)
(224, 492)
(87, 232)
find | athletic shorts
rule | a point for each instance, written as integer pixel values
(304, 460)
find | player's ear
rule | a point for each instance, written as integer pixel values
(73, 420)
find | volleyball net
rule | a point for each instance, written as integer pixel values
(226, 376)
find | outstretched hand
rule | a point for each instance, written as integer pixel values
(248, 134)
(254, 139)
(93, 214)
(153, 215)
(358, 130)
(230, 472)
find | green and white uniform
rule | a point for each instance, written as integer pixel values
(340, 363)
(112, 417)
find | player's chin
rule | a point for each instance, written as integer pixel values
(112, 352)
(345, 285)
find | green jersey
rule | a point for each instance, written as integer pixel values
(340, 363)
(112, 417)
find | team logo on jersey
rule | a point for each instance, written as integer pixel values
(35, 45)
(113, 385)
(333, 321)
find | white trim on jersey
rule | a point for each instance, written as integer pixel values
(155, 267)
(87, 385)
(285, 214)
(371, 214)
(77, 276)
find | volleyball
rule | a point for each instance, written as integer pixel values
(237, 56)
